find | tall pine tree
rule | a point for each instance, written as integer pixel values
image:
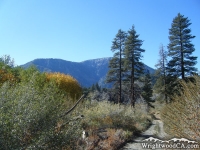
(134, 66)
(161, 73)
(147, 91)
(180, 48)
(116, 63)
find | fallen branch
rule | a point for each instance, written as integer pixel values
(73, 106)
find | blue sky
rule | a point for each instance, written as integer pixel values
(78, 30)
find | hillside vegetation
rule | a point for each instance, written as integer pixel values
(33, 113)
(52, 111)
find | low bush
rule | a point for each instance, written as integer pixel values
(110, 125)
(6, 76)
(66, 83)
(29, 116)
(182, 116)
(109, 115)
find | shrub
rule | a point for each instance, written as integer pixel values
(40, 80)
(66, 83)
(109, 115)
(109, 125)
(182, 116)
(7, 70)
(28, 117)
(6, 76)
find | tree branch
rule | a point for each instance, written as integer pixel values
(74, 106)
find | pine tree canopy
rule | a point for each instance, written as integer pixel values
(147, 89)
(180, 48)
(114, 64)
(132, 54)
(162, 62)
(132, 61)
(119, 41)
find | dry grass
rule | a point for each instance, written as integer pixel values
(110, 125)
(109, 115)
(182, 116)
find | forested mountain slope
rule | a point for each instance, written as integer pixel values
(87, 72)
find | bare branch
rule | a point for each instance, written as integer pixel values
(73, 106)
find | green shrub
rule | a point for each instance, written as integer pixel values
(7, 70)
(28, 117)
(109, 115)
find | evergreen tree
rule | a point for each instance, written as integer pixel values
(180, 48)
(161, 74)
(92, 87)
(116, 67)
(7, 60)
(97, 87)
(134, 67)
(147, 89)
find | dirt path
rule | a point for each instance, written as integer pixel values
(155, 130)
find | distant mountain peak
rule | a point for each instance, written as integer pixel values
(87, 72)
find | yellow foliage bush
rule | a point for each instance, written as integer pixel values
(6, 76)
(66, 83)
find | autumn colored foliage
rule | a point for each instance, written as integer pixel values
(66, 83)
(6, 76)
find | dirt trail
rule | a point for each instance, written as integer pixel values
(155, 130)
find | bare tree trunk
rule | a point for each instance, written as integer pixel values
(132, 83)
(120, 75)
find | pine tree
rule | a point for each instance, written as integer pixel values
(134, 67)
(180, 48)
(93, 88)
(147, 92)
(7, 61)
(161, 74)
(116, 67)
(97, 87)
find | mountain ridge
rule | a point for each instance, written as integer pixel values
(87, 72)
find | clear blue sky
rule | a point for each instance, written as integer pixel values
(77, 30)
